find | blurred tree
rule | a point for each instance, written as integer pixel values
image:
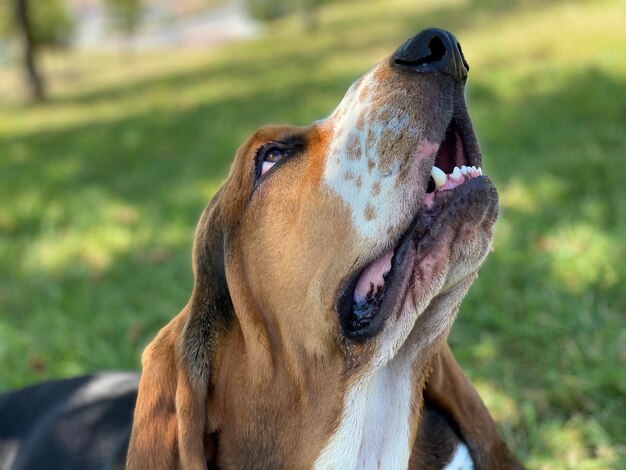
(24, 26)
(125, 15)
(47, 26)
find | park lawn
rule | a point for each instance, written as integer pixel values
(101, 187)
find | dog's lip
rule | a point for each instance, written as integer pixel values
(413, 243)
(395, 287)
(461, 125)
(397, 280)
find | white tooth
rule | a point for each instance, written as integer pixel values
(480, 171)
(439, 176)
(464, 170)
(456, 173)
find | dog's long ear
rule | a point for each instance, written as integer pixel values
(449, 390)
(169, 425)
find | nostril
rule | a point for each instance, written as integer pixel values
(435, 52)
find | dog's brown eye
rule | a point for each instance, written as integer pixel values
(272, 156)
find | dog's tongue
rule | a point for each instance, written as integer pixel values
(372, 278)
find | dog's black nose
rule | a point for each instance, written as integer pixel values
(432, 50)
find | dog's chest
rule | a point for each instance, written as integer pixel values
(374, 428)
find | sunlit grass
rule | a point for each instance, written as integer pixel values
(100, 190)
(581, 255)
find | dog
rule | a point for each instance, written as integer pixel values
(329, 269)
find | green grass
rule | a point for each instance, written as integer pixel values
(100, 190)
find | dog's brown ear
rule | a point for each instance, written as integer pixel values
(449, 390)
(170, 421)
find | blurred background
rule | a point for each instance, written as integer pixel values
(119, 120)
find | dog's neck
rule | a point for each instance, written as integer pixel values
(375, 429)
(297, 413)
(372, 423)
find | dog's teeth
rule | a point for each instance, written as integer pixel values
(480, 171)
(464, 170)
(456, 173)
(439, 176)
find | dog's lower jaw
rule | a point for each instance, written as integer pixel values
(381, 409)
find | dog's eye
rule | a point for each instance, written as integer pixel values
(271, 156)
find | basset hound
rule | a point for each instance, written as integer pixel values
(328, 272)
(329, 269)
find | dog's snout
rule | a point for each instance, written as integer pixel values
(432, 50)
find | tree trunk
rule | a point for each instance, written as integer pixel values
(29, 50)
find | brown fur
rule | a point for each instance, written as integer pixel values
(254, 370)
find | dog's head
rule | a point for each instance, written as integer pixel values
(338, 234)
(330, 252)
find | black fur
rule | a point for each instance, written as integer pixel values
(81, 423)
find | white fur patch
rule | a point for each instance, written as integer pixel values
(353, 164)
(461, 460)
(374, 428)
(107, 385)
(8, 452)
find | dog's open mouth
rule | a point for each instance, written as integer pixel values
(378, 289)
